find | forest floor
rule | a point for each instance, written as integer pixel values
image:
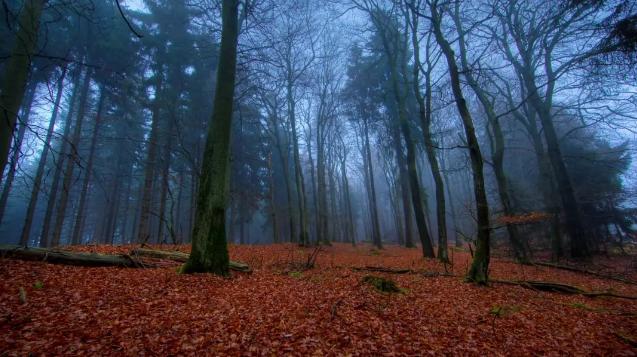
(57, 310)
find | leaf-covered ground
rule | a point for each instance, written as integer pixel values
(66, 310)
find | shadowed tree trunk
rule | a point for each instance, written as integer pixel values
(17, 149)
(497, 156)
(393, 56)
(209, 245)
(424, 107)
(17, 73)
(70, 162)
(37, 181)
(376, 238)
(479, 270)
(76, 238)
(143, 233)
(46, 225)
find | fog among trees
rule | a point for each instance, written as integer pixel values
(311, 142)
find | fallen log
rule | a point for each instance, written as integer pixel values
(585, 271)
(57, 256)
(375, 269)
(560, 288)
(133, 260)
(383, 270)
(180, 257)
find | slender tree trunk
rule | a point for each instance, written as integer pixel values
(313, 181)
(424, 106)
(143, 234)
(412, 171)
(16, 74)
(298, 172)
(497, 156)
(404, 186)
(376, 238)
(17, 150)
(70, 163)
(479, 271)
(44, 234)
(273, 215)
(351, 227)
(322, 194)
(39, 173)
(209, 248)
(165, 170)
(76, 238)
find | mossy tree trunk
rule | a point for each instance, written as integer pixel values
(209, 246)
(17, 73)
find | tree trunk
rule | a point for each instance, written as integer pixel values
(404, 186)
(209, 247)
(348, 203)
(44, 234)
(412, 171)
(16, 74)
(497, 156)
(298, 172)
(376, 238)
(424, 106)
(17, 153)
(143, 233)
(76, 238)
(479, 271)
(39, 173)
(70, 163)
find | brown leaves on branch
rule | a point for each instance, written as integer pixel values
(527, 218)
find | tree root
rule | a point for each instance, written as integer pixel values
(560, 288)
(181, 257)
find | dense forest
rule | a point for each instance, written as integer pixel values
(369, 153)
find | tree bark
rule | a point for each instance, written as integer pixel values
(497, 155)
(143, 233)
(17, 73)
(479, 271)
(76, 238)
(424, 107)
(44, 234)
(376, 238)
(70, 163)
(209, 245)
(17, 151)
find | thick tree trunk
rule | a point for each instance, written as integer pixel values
(479, 271)
(39, 173)
(76, 238)
(16, 74)
(70, 163)
(17, 150)
(209, 247)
